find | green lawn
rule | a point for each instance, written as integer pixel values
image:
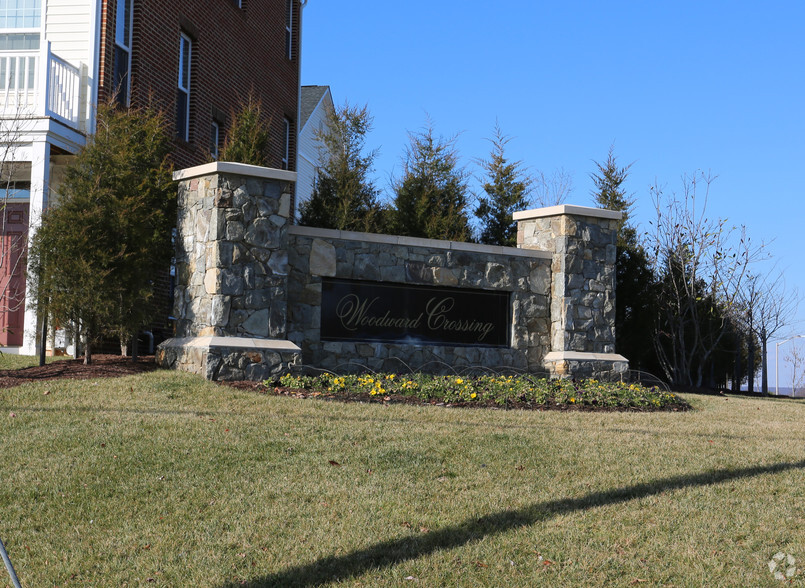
(163, 479)
(10, 361)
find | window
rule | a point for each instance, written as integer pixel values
(183, 92)
(19, 41)
(287, 149)
(17, 73)
(122, 55)
(215, 137)
(20, 14)
(289, 29)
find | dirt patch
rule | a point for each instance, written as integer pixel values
(102, 366)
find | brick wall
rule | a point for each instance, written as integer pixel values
(234, 50)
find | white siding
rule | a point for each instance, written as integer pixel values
(70, 30)
(309, 151)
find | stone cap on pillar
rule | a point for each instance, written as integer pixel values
(582, 356)
(239, 169)
(567, 209)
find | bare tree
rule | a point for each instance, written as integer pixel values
(553, 189)
(767, 308)
(796, 359)
(701, 264)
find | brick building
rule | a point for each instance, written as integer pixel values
(195, 59)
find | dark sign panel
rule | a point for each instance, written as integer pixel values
(355, 310)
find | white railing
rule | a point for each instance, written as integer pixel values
(29, 90)
(63, 90)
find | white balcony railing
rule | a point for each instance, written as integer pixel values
(28, 90)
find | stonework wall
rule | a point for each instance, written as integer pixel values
(230, 358)
(230, 299)
(249, 286)
(317, 253)
(231, 262)
(582, 242)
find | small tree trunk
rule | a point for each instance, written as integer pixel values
(87, 350)
(43, 339)
(764, 365)
(52, 336)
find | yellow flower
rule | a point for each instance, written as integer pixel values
(473, 395)
(459, 381)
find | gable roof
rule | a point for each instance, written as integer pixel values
(310, 98)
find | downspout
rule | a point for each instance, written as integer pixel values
(302, 5)
(94, 67)
(150, 336)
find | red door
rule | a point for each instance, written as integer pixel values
(13, 246)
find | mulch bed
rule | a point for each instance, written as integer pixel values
(512, 404)
(102, 366)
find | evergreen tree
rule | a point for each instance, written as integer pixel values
(431, 199)
(610, 194)
(247, 140)
(109, 232)
(507, 189)
(635, 288)
(345, 197)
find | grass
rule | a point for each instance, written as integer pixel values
(10, 361)
(162, 479)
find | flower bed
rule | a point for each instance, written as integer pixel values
(505, 391)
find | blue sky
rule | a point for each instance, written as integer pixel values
(675, 86)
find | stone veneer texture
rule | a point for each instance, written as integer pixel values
(231, 263)
(314, 253)
(583, 283)
(244, 274)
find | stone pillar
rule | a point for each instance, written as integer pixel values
(230, 299)
(582, 241)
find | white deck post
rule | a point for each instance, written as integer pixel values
(40, 169)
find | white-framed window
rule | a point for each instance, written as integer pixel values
(289, 29)
(287, 150)
(121, 67)
(20, 14)
(183, 91)
(18, 72)
(22, 21)
(215, 137)
(19, 41)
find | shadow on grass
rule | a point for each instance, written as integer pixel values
(392, 552)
